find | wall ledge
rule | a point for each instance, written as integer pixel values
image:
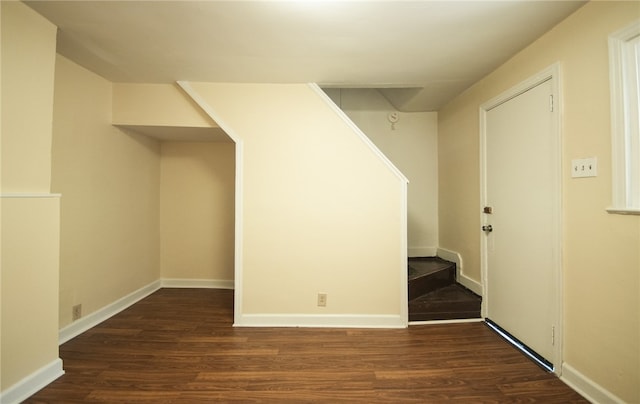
(78, 327)
(321, 320)
(624, 211)
(589, 389)
(28, 195)
(197, 283)
(33, 383)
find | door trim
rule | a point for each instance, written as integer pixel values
(553, 74)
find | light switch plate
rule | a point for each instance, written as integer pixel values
(587, 167)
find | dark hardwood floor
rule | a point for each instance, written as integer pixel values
(179, 346)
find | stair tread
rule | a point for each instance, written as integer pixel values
(419, 267)
(454, 292)
(428, 274)
(434, 293)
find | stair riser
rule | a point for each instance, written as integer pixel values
(452, 315)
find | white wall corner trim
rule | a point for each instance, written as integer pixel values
(589, 389)
(239, 190)
(464, 280)
(197, 283)
(321, 320)
(78, 327)
(358, 132)
(423, 251)
(32, 383)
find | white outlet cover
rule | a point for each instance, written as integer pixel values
(582, 168)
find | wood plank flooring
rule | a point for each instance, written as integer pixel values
(179, 346)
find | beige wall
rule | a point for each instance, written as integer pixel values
(28, 51)
(110, 185)
(412, 147)
(321, 212)
(30, 215)
(601, 251)
(197, 197)
(30, 248)
(156, 105)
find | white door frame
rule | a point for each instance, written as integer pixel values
(551, 73)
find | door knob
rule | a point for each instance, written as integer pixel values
(487, 228)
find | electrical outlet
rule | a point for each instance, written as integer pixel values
(581, 168)
(76, 312)
(322, 299)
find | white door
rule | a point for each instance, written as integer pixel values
(521, 180)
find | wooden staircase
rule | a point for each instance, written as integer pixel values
(434, 293)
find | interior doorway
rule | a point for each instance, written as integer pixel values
(197, 201)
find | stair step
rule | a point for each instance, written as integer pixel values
(448, 303)
(429, 274)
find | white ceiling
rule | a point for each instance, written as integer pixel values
(422, 53)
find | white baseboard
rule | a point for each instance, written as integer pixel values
(78, 327)
(589, 389)
(421, 252)
(197, 283)
(470, 284)
(320, 321)
(464, 280)
(450, 256)
(33, 383)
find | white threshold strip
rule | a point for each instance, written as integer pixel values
(545, 364)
